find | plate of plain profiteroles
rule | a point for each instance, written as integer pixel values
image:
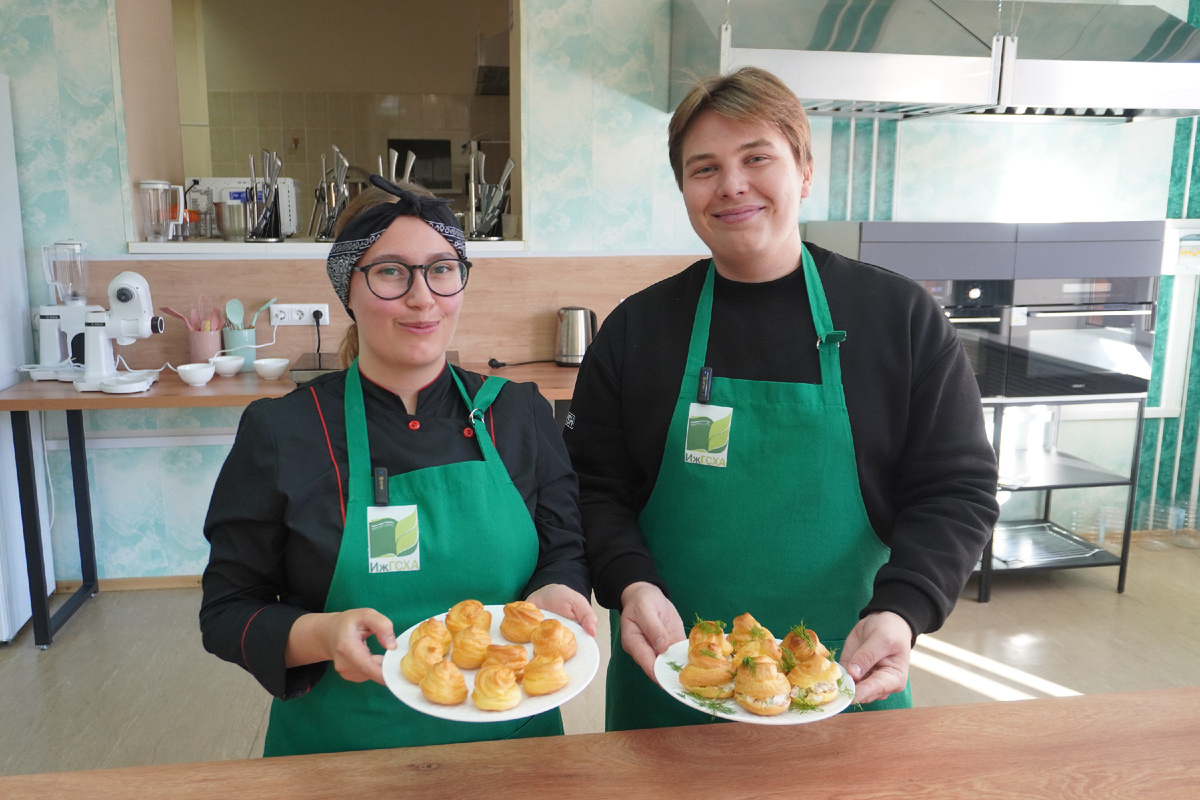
(748, 675)
(492, 663)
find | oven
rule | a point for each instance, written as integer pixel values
(1075, 336)
(980, 311)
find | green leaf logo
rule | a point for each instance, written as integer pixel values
(698, 433)
(406, 534)
(381, 537)
(718, 435)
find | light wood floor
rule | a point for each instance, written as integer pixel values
(127, 682)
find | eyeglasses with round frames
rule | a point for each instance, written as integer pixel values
(391, 280)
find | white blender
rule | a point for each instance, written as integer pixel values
(60, 327)
(63, 327)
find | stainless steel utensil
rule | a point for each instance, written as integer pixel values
(409, 160)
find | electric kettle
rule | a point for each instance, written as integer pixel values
(576, 329)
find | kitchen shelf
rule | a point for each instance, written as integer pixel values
(1039, 543)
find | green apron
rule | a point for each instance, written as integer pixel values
(756, 510)
(474, 538)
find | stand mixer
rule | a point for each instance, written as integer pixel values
(75, 339)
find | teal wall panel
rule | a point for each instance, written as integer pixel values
(885, 168)
(863, 173)
(839, 169)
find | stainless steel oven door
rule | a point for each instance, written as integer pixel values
(983, 332)
(1080, 349)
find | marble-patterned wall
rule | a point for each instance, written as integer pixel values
(69, 128)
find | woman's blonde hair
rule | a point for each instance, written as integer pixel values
(749, 95)
(369, 197)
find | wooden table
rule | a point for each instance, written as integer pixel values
(1141, 745)
(168, 392)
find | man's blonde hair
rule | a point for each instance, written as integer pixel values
(749, 95)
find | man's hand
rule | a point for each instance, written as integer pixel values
(649, 624)
(876, 655)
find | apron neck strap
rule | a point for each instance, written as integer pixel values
(477, 406)
(358, 446)
(828, 339)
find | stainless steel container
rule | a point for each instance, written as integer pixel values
(576, 330)
(232, 221)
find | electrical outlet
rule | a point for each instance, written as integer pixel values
(298, 313)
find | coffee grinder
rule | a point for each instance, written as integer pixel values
(61, 327)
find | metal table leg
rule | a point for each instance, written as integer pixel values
(46, 625)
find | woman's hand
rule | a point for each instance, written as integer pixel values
(649, 624)
(341, 637)
(566, 602)
(876, 655)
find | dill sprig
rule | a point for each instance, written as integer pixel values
(709, 627)
(803, 633)
(758, 632)
(748, 661)
(674, 666)
(787, 661)
(801, 705)
(710, 704)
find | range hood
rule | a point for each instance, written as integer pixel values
(910, 58)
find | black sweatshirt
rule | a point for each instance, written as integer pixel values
(926, 470)
(275, 519)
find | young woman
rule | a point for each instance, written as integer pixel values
(299, 580)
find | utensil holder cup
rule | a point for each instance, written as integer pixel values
(203, 345)
(241, 343)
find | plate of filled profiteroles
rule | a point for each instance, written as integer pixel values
(748, 675)
(493, 663)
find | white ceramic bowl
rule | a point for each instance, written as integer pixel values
(271, 368)
(196, 374)
(227, 366)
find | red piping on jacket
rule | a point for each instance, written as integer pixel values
(246, 663)
(337, 472)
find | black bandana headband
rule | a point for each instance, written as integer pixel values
(363, 231)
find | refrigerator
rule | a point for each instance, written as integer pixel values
(16, 349)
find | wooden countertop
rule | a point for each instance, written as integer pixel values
(554, 382)
(1137, 745)
(169, 391)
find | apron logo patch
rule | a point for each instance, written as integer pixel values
(393, 539)
(707, 440)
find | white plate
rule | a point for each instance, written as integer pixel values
(580, 669)
(668, 678)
